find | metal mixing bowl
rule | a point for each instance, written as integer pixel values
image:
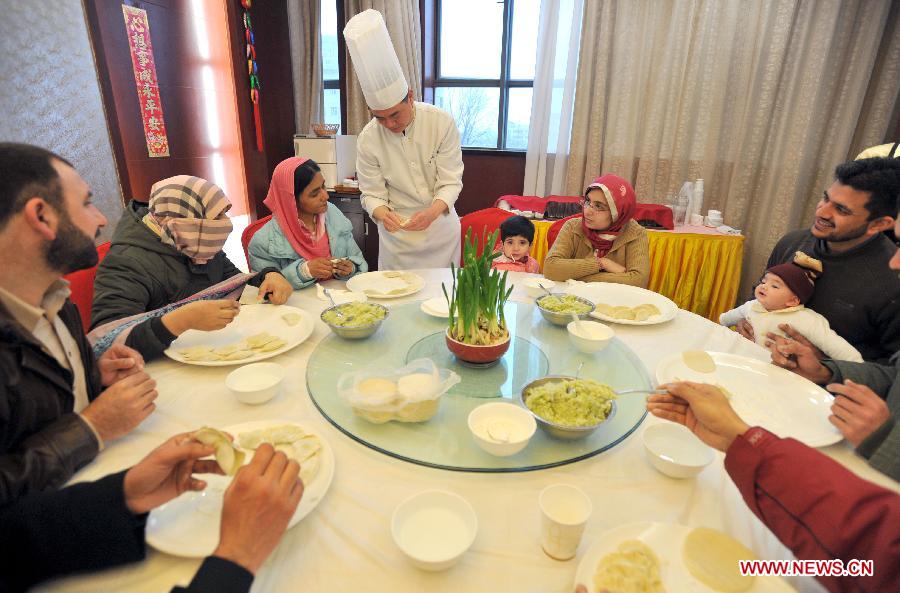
(562, 319)
(561, 431)
(356, 332)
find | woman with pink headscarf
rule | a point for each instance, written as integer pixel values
(308, 239)
(604, 244)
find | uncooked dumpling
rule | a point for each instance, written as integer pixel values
(698, 360)
(712, 558)
(229, 458)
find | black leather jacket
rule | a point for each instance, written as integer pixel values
(42, 442)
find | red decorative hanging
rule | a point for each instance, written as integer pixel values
(253, 72)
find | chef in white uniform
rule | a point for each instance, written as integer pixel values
(408, 158)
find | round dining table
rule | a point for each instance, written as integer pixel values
(345, 544)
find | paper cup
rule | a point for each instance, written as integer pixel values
(565, 510)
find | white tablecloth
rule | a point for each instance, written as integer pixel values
(345, 544)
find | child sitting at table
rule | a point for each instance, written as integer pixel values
(779, 299)
(516, 235)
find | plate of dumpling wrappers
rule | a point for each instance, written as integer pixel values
(189, 525)
(670, 558)
(621, 303)
(257, 333)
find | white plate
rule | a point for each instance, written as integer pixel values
(252, 320)
(189, 525)
(666, 539)
(622, 295)
(765, 395)
(377, 286)
(436, 307)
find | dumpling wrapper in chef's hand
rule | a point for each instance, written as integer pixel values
(229, 458)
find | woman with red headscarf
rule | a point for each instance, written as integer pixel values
(308, 239)
(604, 244)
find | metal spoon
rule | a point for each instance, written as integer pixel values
(333, 304)
(570, 389)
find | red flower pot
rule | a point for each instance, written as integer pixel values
(476, 354)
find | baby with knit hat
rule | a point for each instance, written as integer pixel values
(780, 296)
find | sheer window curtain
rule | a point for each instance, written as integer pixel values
(304, 17)
(760, 99)
(559, 37)
(404, 26)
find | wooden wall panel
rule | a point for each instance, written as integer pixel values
(489, 175)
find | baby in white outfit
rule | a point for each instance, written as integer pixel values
(779, 299)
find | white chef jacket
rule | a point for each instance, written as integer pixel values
(406, 172)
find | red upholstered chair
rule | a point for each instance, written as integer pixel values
(482, 222)
(554, 230)
(531, 203)
(249, 232)
(81, 283)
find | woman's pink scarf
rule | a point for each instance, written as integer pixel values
(622, 204)
(283, 204)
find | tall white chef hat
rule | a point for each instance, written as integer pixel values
(377, 67)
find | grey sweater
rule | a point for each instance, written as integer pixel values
(857, 293)
(882, 447)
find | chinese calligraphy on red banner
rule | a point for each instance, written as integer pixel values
(138, 29)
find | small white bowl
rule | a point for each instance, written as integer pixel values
(434, 528)
(676, 451)
(533, 286)
(500, 428)
(590, 336)
(256, 383)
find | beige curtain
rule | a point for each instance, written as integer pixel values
(304, 18)
(759, 99)
(403, 25)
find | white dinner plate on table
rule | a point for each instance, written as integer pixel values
(252, 320)
(436, 307)
(763, 394)
(189, 525)
(387, 284)
(666, 540)
(623, 295)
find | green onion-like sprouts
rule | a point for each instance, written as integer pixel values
(478, 295)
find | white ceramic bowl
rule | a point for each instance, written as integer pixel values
(256, 383)
(434, 528)
(500, 428)
(590, 336)
(533, 286)
(675, 451)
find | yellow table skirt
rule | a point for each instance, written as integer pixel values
(701, 273)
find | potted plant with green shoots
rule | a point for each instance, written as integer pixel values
(477, 331)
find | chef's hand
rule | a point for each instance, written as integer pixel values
(422, 220)
(387, 217)
(320, 268)
(857, 411)
(343, 267)
(744, 328)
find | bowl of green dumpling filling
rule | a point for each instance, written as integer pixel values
(558, 308)
(355, 320)
(569, 408)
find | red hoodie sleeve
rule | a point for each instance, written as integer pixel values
(818, 508)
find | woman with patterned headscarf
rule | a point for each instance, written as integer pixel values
(308, 239)
(604, 244)
(167, 251)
